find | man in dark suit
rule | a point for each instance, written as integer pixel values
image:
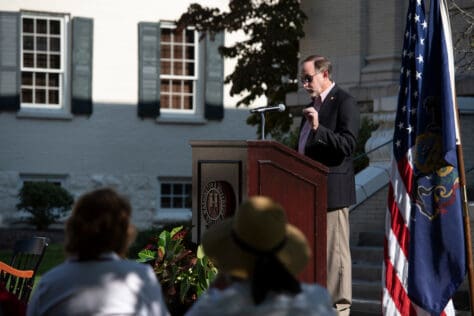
(328, 134)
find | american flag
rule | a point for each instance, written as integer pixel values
(424, 254)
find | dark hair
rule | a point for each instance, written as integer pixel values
(100, 222)
(321, 63)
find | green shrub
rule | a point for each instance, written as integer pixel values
(181, 267)
(45, 201)
(361, 160)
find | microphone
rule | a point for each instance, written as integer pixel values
(280, 108)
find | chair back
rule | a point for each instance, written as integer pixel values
(26, 257)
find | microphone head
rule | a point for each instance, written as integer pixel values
(281, 107)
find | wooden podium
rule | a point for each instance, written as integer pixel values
(225, 173)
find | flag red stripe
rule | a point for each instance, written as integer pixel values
(405, 172)
(395, 288)
(398, 225)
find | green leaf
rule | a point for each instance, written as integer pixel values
(146, 255)
(175, 230)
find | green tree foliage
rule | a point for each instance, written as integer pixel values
(267, 59)
(45, 201)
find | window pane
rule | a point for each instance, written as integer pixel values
(164, 101)
(27, 95)
(189, 52)
(165, 188)
(28, 25)
(165, 87)
(188, 86)
(187, 102)
(188, 189)
(177, 189)
(53, 97)
(176, 102)
(178, 202)
(165, 51)
(40, 96)
(189, 36)
(53, 80)
(54, 61)
(28, 60)
(165, 202)
(165, 35)
(40, 79)
(188, 202)
(27, 78)
(54, 44)
(178, 52)
(178, 37)
(54, 27)
(41, 43)
(189, 69)
(28, 42)
(165, 67)
(178, 68)
(176, 85)
(41, 61)
(41, 26)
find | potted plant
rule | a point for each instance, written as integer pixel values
(181, 267)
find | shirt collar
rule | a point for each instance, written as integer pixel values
(325, 93)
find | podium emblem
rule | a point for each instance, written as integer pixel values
(217, 202)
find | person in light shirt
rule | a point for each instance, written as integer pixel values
(96, 279)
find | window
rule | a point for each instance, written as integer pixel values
(174, 200)
(180, 78)
(43, 61)
(178, 69)
(175, 195)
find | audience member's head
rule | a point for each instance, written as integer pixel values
(259, 244)
(99, 223)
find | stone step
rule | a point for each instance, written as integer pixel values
(367, 290)
(367, 254)
(371, 239)
(367, 272)
(363, 307)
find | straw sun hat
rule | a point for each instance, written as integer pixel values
(258, 227)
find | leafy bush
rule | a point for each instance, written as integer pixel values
(361, 160)
(45, 201)
(181, 267)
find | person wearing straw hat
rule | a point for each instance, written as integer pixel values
(263, 255)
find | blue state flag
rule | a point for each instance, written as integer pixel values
(437, 261)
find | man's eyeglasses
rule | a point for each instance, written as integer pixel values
(308, 78)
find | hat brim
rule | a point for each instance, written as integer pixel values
(220, 247)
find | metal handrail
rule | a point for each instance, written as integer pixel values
(364, 154)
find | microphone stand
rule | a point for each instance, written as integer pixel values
(262, 118)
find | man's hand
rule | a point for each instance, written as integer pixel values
(312, 117)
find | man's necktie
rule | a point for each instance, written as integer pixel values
(306, 127)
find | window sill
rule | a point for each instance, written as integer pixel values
(173, 216)
(180, 119)
(44, 114)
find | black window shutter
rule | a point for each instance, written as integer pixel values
(148, 69)
(81, 65)
(9, 61)
(214, 93)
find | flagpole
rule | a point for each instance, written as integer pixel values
(466, 219)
